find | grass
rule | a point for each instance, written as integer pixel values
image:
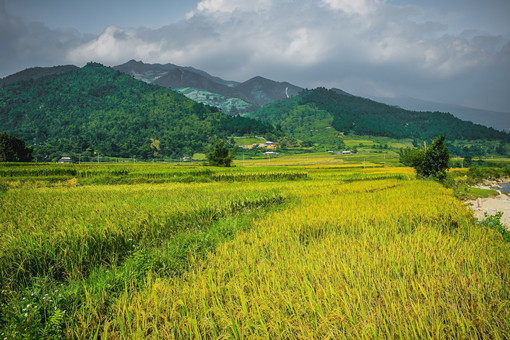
(248, 140)
(302, 246)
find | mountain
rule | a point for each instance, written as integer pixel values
(322, 116)
(256, 91)
(179, 78)
(224, 104)
(262, 91)
(97, 109)
(36, 73)
(497, 120)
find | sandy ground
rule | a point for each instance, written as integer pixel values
(491, 206)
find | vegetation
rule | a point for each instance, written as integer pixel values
(13, 149)
(432, 162)
(230, 106)
(219, 155)
(96, 110)
(319, 116)
(180, 251)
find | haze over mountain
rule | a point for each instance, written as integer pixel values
(497, 120)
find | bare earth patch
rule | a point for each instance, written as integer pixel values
(491, 206)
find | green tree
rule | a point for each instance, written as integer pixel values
(435, 162)
(219, 156)
(13, 149)
(432, 162)
(411, 157)
(468, 161)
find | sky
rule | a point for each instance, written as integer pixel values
(455, 51)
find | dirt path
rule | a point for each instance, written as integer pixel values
(491, 206)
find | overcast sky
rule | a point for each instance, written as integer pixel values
(454, 51)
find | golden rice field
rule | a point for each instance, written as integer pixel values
(299, 250)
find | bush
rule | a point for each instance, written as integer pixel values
(219, 156)
(432, 162)
(494, 222)
(13, 149)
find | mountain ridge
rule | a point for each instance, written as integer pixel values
(323, 116)
(256, 91)
(35, 73)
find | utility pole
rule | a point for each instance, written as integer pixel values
(98, 158)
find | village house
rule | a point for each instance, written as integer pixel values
(65, 160)
(265, 145)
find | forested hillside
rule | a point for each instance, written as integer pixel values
(98, 110)
(36, 73)
(322, 114)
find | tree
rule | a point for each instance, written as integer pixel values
(468, 161)
(13, 149)
(432, 162)
(435, 162)
(156, 147)
(219, 156)
(411, 157)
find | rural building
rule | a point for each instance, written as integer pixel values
(346, 152)
(65, 160)
(270, 153)
(265, 145)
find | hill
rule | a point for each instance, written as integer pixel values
(322, 116)
(497, 120)
(36, 73)
(256, 91)
(98, 110)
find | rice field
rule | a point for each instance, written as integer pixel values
(292, 249)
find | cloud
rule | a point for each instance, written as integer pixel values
(370, 47)
(32, 44)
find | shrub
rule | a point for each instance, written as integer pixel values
(432, 162)
(219, 156)
(13, 149)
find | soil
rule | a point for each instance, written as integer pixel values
(491, 206)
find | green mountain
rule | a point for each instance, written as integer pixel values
(322, 116)
(36, 73)
(98, 110)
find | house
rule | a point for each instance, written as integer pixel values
(346, 152)
(267, 145)
(65, 160)
(186, 159)
(270, 153)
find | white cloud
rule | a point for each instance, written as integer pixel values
(361, 7)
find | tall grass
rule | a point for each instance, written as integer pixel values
(320, 250)
(404, 262)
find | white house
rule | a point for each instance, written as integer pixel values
(65, 160)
